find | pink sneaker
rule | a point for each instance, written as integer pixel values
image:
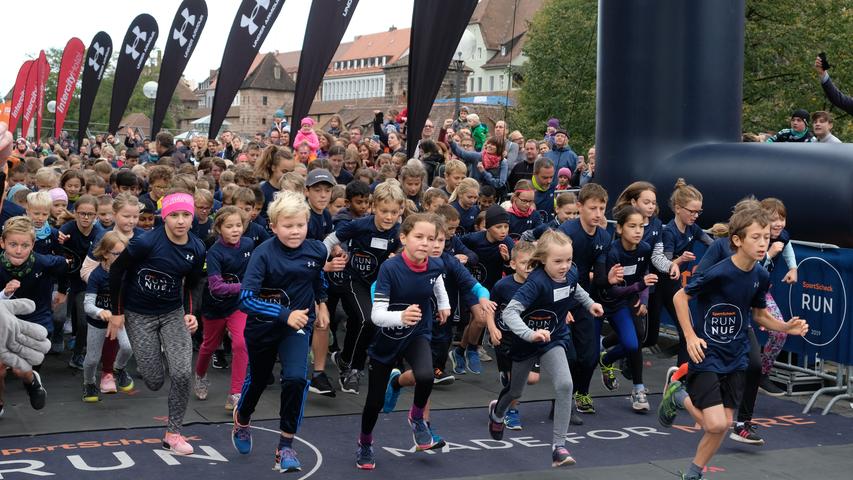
(177, 443)
(108, 383)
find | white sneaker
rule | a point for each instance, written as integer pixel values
(232, 401)
(669, 373)
(201, 386)
(484, 357)
(66, 327)
(640, 401)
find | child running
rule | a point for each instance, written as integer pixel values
(717, 343)
(403, 312)
(282, 294)
(226, 265)
(538, 315)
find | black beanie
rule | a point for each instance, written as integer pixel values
(496, 215)
(801, 113)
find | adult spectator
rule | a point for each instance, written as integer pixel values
(833, 94)
(487, 167)
(479, 131)
(165, 146)
(227, 151)
(515, 154)
(544, 184)
(561, 154)
(551, 131)
(355, 133)
(822, 127)
(524, 170)
(279, 123)
(799, 131)
(275, 138)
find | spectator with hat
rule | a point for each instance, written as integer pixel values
(279, 123)
(551, 131)
(306, 134)
(799, 131)
(561, 154)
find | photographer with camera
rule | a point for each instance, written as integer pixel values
(840, 100)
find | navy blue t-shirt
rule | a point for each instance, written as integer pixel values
(725, 297)
(9, 210)
(502, 293)
(154, 284)
(344, 177)
(256, 232)
(75, 249)
(202, 230)
(783, 237)
(367, 246)
(467, 218)
(416, 199)
(720, 250)
(49, 245)
(635, 264)
(546, 305)
(491, 265)
(519, 225)
(587, 249)
(37, 285)
(319, 225)
(454, 246)
(269, 196)
(401, 287)
(544, 204)
(458, 282)
(99, 284)
(229, 264)
(136, 231)
(278, 280)
(652, 231)
(676, 242)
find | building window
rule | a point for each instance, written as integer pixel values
(276, 72)
(471, 85)
(503, 50)
(479, 84)
(479, 52)
(264, 99)
(491, 83)
(263, 120)
(502, 81)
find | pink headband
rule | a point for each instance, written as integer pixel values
(177, 202)
(58, 194)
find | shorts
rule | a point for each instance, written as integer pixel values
(709, 389)
(502, 357)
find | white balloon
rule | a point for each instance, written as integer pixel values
(150, 89)
(51, 106)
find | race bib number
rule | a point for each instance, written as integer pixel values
(561, 293)
(379, 243)
(629, 270)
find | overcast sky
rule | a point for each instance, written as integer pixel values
(33, 25)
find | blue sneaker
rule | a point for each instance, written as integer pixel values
(458, 361)
(512, 420)
(391, 393)
(421, 434)
(472, 361)
(364, 458)
(286, 461)
(241, 437)
(437, 442)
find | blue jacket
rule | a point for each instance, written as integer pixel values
(562, 157)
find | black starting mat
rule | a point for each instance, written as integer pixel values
(613, 437)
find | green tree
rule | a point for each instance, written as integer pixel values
(782, 39)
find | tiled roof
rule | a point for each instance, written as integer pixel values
(263, 76)
(495, 18)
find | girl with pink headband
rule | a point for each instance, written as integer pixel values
(155, 275)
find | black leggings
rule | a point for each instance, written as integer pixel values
(419, 357)
(360, 329)
(660, 299)
(751, 380)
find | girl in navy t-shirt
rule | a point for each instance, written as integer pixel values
(464, 200)
(538, 315)
(149, 284)
(404, 313)
(226, 264)
(522, 213)
(625, 300)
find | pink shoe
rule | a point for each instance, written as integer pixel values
(176, 442)
(108, 383)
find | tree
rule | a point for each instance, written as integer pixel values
(782, 39)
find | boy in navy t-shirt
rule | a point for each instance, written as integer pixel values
(717, 340)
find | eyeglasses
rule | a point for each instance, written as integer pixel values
(523, 201)
(695, 213)
(428, 126)
(86, 214)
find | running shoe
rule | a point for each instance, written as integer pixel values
(241, 436)
(349, 381)
(175, 442)
(232, 401)
(687, 476)
(391, 394)
(286, 461)
(472, 361)
(437, 442)
(90, 393)
(364, 458)
(512, 419)
(336, 360)
(583, 403)
(76, 361)
(108, 383)
(575, 418)
(440, 377)
(123, 380)
(421, 434)
(608, 374)
(220, 361)
(457, 359)
(669, 373)
(769, 387)
(640, 401)
(745, 433)
(321, 385)
(484, 356)
(668, 409)
(496, 429)
(201, 385)
(36, 392)
(561, 457)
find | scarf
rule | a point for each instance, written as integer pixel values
(518, 213)
(491, 161)
(413, 266)
(20, 271)
(43, 232)
(537, 187)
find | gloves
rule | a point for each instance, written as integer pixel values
(22, 343)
